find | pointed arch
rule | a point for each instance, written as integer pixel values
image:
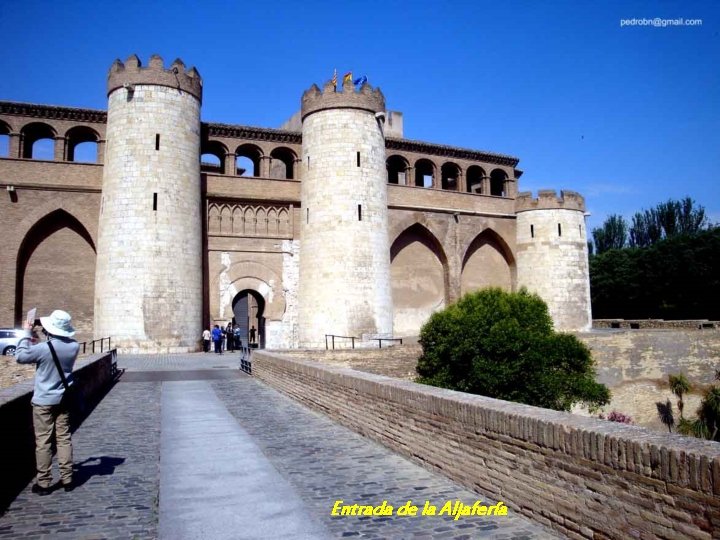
(419, 278)
(272, 222)
(226, 219)
(283, 222)
(213, 218)
(55, 268)
(487, 261)
(261, 221)
(250, 222)
(238, 221)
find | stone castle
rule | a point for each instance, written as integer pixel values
(335, 224)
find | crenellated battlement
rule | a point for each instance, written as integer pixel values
(548, 199)
(132, 72)
(367, 98)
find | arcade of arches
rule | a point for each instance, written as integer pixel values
(421, 273)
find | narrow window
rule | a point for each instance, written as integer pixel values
(308, 162)
(532, 231)
(358, 159)
(157, 141)
(359, 212)
(307, 214)
(580, 229)
(559, 230)
(154, 202)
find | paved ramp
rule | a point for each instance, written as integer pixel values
(188, 447)
(214, 481)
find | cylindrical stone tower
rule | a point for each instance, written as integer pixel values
(344, 249)
(148, 281)
(552, 255)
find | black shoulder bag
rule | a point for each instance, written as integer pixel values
(71, 397)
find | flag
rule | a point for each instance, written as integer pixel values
(334, 79)
(347, 77)
(360, 81)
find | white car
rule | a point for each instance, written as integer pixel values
(9, 338)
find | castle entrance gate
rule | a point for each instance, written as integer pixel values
(248, 311)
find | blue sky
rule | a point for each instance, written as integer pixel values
(628, 116)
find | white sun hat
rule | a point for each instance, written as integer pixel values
(58, 324)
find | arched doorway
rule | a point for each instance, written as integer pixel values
(249, 311)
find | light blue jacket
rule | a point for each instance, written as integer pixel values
(49, 388)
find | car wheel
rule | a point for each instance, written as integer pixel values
(9, 351)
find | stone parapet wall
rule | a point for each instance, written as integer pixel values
(583, 477)
(396, 361)
(131, 72)
(368, 99)
(548, 199)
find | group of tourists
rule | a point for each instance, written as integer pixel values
(226, 338)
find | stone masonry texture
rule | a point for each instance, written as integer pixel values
(174, 235)
(148, 290)
(583, 477)
(344, 284)
(553, 262)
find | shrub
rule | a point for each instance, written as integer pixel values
(615, 416)
(502, 345)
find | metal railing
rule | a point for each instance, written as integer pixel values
(245, 359)
(333, 336)
(91, 345)
(380, 340)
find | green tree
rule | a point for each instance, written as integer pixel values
(679, 385)
(667, 220)
(676, 278)
(502, 345)
(612, 234)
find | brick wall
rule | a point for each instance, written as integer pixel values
(585, 478)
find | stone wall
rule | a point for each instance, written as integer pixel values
(635, 365)
(583, 477)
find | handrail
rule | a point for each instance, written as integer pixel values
(380, 340)
(245, 359)
(333, 336)
(92, 345)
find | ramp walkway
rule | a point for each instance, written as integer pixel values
(187, 446)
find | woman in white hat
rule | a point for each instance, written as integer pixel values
(50, 413)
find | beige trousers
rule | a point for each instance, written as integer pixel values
(50, 420)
